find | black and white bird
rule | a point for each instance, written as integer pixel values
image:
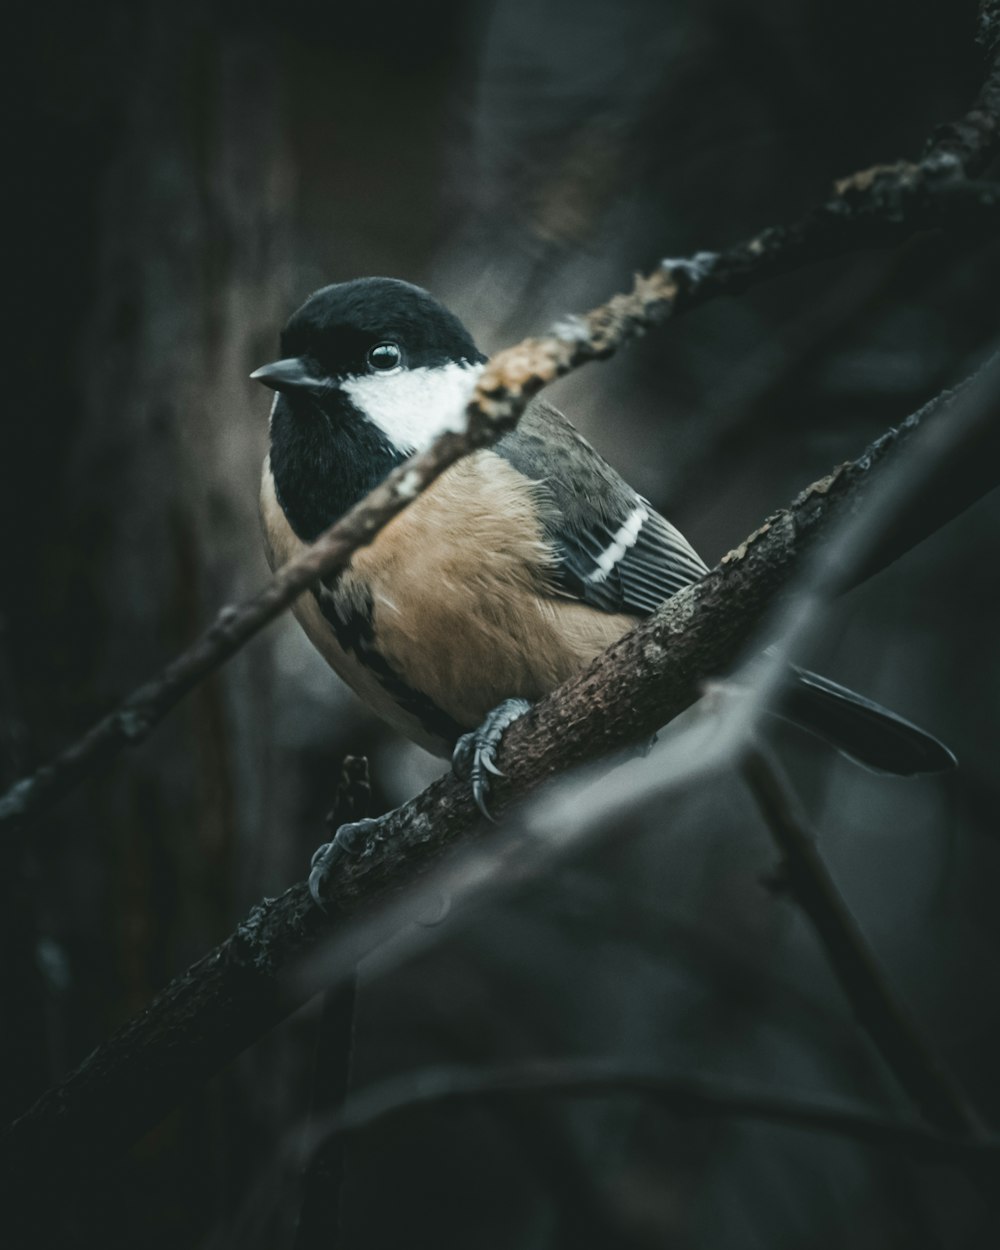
(511, 572)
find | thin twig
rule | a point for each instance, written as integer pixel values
(323, 1179)
(875, 206)
(680, 1095)
(892, 1028)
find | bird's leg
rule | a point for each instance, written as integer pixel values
(346, 844)
(475, 753)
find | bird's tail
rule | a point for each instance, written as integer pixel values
(872, 735)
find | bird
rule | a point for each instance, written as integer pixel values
(511, 572)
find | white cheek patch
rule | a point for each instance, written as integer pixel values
(413, 406)
(624, 539)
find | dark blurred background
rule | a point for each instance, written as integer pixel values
(180, 177)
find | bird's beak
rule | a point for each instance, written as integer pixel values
(292, 374)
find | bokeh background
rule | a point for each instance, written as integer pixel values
(179, 178)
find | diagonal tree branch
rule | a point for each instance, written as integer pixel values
(873, 207)
(878, 1008)
(233, 995)
(655, 672)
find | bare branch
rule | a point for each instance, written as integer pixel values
(680, 1095)
(876, 206)
(895, 1033)
(656, 671)
(233, 995)
(323, 1179)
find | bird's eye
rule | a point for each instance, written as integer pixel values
(384, 357)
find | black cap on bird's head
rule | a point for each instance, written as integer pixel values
(368, 326)
(371, 371)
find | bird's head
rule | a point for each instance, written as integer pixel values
(371, 371)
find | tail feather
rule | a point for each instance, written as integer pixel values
(871, 735)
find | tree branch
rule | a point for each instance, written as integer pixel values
(655, 671)
(319, 1222)
(233, 995)
(876, 206)
(680, 1095)
(895, 1033)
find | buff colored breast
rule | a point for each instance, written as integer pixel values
(457, 583)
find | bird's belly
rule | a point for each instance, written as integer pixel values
(447, 613)
(469, 647)
(459, 587)
(412, 715)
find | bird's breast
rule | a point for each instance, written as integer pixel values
(452, 600)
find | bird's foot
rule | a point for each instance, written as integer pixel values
(475, 753)
(346, 845)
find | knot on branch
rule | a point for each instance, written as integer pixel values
(246, 949)
(273, 929)
(221, 629)
(680, 279)
(781, 518)
(509, 381)
(824, 486)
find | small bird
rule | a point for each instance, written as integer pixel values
(512, 571)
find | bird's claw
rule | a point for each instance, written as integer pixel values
(488, 763)
(474, 758)
(346, 845)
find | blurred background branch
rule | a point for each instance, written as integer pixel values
(929, 1082)
(679, 1095)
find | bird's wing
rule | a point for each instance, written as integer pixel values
(614, 551)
